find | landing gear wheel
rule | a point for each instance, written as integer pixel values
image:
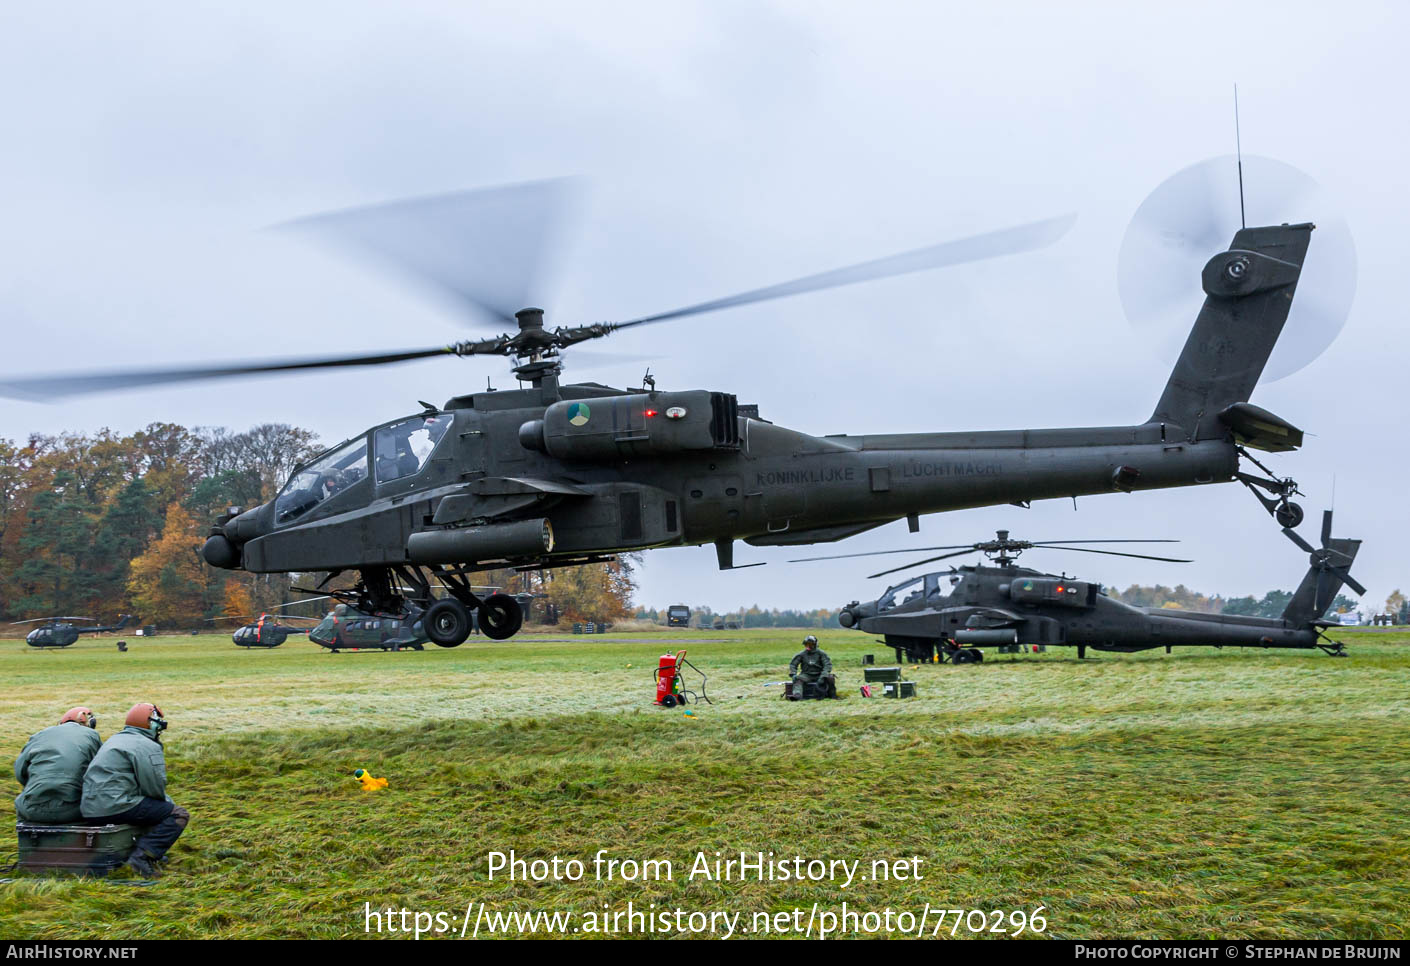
(1288, 515)
(447, 623)
(976, 656)
(500, 617)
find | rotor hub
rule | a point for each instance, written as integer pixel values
(529, 318)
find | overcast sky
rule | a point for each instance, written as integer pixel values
(727, 145)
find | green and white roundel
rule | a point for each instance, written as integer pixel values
(579, 414)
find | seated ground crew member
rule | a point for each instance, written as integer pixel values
(811, 665)
(126, 785)
(51, 769)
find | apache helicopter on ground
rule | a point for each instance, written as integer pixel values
(554, 475)
(960, 610)
(60, 632)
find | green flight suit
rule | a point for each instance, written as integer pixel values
(128, 768)
(810, 666)
(51, 769)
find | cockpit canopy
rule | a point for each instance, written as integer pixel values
(399, 450)
(331, 473)
(402, 449)
(927, 586)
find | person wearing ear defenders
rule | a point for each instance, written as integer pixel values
(126, 785)
(51, 767)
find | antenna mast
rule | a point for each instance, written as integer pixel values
(1239, 148)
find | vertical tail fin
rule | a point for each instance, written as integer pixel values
(1330, 570)
(1249, 290)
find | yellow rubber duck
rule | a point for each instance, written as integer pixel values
(369, 784)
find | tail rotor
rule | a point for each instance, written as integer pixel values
(1330, 568)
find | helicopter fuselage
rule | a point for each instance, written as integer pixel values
(548, 476)
(975, 607)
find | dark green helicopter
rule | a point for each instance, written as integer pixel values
(345, 628)
(954, 613)
(61, 631)
(553, 475)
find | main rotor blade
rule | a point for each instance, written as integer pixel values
(1118, 553)
(306, 600)
(877, 553)
(486, 250)
(63, 385)
(973, 546)
(1049, 543)
(920, 563)
(1008, 241)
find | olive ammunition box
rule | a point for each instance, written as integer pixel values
(81, 849)
(880, 675)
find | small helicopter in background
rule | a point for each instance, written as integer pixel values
(266, 629)
(1008, 606)
(61, 632)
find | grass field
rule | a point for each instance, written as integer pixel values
(1208, 793)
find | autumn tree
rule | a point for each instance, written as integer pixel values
(1395, 603)
(600, 592)
(237, 600)
(167, 582)
(76, 509)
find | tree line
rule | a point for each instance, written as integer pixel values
(754, 616)
(1181, 597)
(99, 524)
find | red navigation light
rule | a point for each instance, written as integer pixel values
(650, 413)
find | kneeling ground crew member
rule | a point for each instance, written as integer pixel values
(51, 769)
(811, 665)
(126, 784)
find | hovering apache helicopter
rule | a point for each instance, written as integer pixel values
(553, 475)
(59, 632)
(1006, 605)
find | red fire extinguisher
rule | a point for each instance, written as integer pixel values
(668, 679)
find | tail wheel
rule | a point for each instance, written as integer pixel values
(1289, 515)
(447, 623)
(500, 617)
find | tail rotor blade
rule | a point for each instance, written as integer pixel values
(1193, 214)
(1293, 535)
(1326, 528)
(1351, 582)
